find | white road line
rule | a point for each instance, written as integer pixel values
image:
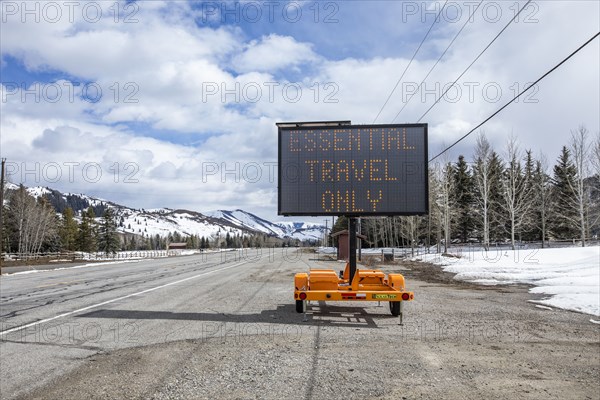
(18, 328)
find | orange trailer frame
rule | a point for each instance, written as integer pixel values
(365, 285)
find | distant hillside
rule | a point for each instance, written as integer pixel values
(163, 221)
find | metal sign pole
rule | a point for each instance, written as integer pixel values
(359, 242)
(352, 247)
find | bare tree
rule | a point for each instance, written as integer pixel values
(595, 189)
(20, 205)
(444, 201)
(581, 156)
(516, 190)
(33, 222)
(433, 217)
(46, 224)
(483, 184)
(409, 228)
(595, 155)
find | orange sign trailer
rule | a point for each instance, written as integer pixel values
(353, 285)
(336, 168)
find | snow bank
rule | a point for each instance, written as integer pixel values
(569, 276)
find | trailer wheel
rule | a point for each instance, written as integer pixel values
(395, 308)
(300, 306)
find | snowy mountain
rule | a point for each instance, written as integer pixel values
(246, 220)
(296, 230)
(302, 230)
(162, 221)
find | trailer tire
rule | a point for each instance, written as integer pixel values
(395, 308)
(300, 306)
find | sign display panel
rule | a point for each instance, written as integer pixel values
(354, 170)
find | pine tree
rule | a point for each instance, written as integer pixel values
(86, 236)
(529, 225)
(143, 243)
(108, 238)
(498, 218)
(563, 212)
(463, 198)
(176, 237)
(542, 201)
(340, 224)
(68, 230)
(191, 242)
(132, 244)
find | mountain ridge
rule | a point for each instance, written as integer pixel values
(165, 221)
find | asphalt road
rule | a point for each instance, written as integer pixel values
(224, 326)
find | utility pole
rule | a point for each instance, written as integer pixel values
(325, 237)
(1, 214)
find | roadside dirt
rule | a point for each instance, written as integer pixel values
(458, 341)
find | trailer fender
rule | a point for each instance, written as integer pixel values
(396, 281)
(301, 281)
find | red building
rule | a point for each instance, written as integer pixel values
(343, 247)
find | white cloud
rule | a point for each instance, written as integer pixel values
(272, 53)
(201, 83)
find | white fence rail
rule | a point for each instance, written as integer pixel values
(96, 256)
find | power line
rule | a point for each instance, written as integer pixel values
(517, 96)
(410, 62)
(438, 60)
(475, 60)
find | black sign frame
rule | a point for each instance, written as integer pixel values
(283, 127)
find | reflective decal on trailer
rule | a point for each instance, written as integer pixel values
(383, 296)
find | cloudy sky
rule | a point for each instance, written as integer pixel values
(174, 104)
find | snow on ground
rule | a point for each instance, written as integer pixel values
(569, 277)
(372, 251)
(327, 250)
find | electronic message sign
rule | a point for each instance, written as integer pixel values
(354, 170)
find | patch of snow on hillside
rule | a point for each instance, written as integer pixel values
(37, 191)
(163, 224)
(308, 234)
(247, 220)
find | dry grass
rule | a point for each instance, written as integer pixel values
(371, 261)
